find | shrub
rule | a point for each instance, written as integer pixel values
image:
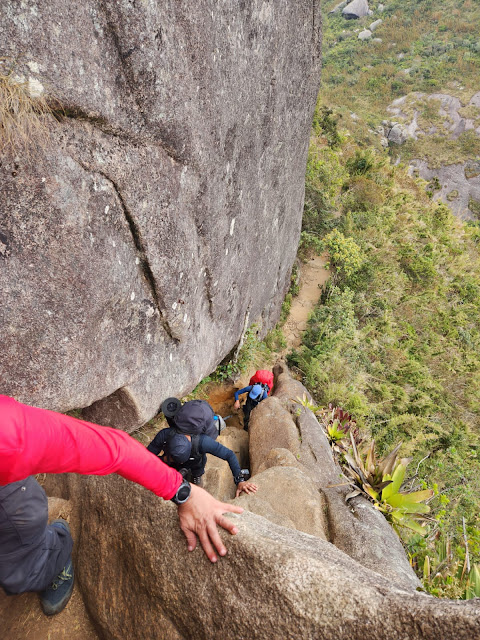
(363, 195)
(325, 121)
(345, 254)
(363, 162)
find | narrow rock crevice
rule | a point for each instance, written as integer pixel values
(122, 55)
(312, 451)
(242, 337)
(329, 533)
(296, 421)
(141, 254)
(316, 31)
(145, 136)
(144, 263)
(208, 291)
(174, 145)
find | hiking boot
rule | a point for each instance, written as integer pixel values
(198, 480)
(55, 598)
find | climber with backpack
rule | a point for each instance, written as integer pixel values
(258, 389)
(192, 433)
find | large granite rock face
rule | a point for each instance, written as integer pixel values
(161, 214)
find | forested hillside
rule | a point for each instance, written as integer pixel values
(396, 340)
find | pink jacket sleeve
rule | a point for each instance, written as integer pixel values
(39, 441)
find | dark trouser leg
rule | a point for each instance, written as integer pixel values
(247, 410)
(32, 553)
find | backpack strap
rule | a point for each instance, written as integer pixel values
(195, 452)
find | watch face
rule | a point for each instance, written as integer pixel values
(183, 492)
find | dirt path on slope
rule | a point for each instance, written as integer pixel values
(313, 276)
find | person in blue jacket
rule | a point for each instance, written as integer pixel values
(188, 454)
(256, 393)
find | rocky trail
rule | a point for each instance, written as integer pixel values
(21, 617)
(313, 277)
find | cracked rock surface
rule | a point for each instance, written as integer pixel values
(163, 201)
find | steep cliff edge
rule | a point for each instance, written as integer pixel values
(162, 212)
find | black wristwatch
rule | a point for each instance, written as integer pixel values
(242, 477)
(183, 493)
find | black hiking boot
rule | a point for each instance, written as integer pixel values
(198, 480)
(55, 598)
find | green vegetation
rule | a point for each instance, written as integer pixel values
(396, 339)
(428, 48)
(237, 363)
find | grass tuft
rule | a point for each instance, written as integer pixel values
(23, 111)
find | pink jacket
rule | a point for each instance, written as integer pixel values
(39, 441)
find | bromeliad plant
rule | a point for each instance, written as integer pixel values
(378, 480)
(381, 480)
(306, 403)
(338, 424)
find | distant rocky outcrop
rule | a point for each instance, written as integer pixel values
(457, 184)
(356, 9)
(396, 132)
(303, 565)
(158, 213)
(449, 123)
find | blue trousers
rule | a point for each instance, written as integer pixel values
(32, 552)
